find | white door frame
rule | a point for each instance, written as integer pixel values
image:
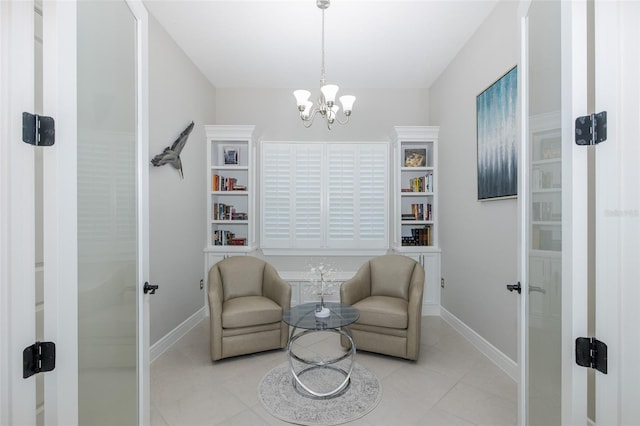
(617, 64)
(142, 124)
(17, 217)
(574, 210)
(60, 211)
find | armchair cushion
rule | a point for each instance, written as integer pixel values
(241, 278)
(383, 311)
(391, 275)
(250, 310)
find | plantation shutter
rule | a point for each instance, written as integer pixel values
(372, 198)
(307, 194)
(277, 196)
(335, 194)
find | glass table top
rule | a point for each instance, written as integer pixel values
(303, 316)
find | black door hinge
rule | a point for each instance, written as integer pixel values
(38, 358)
(591, 129)
(591, 353)
(38, 130)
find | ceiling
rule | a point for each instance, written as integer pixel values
(277, 44)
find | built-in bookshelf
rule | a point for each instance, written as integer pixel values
(415, 197)
(415, 167)
(230, 188)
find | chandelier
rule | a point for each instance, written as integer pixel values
(325, 105)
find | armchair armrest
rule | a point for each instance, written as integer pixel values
(275, 288)
(414, 311)
(358, 287)
(216, 297)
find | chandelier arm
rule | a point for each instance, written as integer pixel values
(342, 122)
(309, 121)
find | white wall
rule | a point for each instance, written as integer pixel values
(179, 93)
(478, 239)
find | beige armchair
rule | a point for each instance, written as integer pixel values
(246, 300)
(387, 292)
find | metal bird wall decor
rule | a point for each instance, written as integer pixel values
(171, 154)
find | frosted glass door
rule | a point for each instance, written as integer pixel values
(107, 209)
(544, 217)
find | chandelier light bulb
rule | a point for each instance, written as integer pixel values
(302, 96)
(329, 91)
(306, 112)
(332, 113)
(347, 103)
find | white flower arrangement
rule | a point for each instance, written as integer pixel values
(322, 278)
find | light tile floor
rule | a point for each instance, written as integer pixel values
(451, 384)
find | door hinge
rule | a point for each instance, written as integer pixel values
(591, 353)
(38, 130)
(591, 129)
(38, 358)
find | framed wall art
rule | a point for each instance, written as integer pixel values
(497, 130)
(231, 155)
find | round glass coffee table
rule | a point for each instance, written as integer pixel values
(303, 316)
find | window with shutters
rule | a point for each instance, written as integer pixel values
(324, 196)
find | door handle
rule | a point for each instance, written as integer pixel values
(535, 288)
(515, 287)
(148, 288)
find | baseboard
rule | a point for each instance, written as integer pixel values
(494, 354)
(430, 310)
(174, 335)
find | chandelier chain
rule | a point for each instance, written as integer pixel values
(322, 77)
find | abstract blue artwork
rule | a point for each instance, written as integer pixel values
(497, 134)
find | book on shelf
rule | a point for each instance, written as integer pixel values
(419, 211)
(238, 241)
(221, 211)
(221, 183)
(420, 183)
(222, 237)
(239, 216)
(419, 237)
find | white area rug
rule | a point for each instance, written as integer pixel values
(281, 400)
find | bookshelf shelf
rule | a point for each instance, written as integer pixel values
(238, 168)
(230, 193)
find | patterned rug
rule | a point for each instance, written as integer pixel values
(281, 400)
